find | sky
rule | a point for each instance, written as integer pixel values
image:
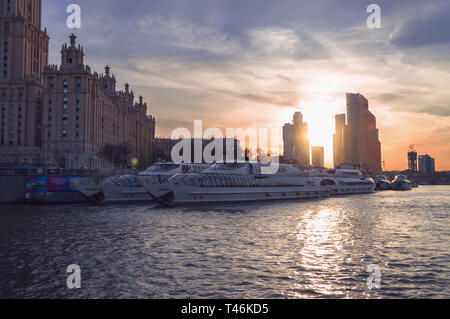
(253, 63)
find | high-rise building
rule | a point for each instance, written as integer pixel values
(412, 161)
(318, 156)
(83, 113)
(23, 55)
(356, 140)
(426, 164)
(296, 142)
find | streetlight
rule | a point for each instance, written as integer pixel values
(43, 127)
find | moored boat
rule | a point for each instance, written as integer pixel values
(347, 182)
(382, 183)
(130, 188)
(401, 183)
(238, 182)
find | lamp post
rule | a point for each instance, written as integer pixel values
(67, 158)
(43, 127)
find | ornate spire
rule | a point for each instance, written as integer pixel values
(73, 39)
(107, 70)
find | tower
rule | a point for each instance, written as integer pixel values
(72, 57)
(296, 142)
(357, 141)
(23, 54)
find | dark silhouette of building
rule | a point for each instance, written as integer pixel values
(296, 142)
(356, 138)
(412, 161)
(318, 156)
(426, 164)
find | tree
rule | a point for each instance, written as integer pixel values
(119, 155)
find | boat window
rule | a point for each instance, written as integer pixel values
(241, 181)
(162, 168)
(124, 180)
(232, 180)
(215, 180)
(223, 181)
(227, 166)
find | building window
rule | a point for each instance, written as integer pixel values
(51, 84)
(78, 84)
(65, 86)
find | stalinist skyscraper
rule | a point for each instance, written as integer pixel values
(23, 54)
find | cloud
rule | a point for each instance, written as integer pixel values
(437, 110)
(247, 63)
(431, 29)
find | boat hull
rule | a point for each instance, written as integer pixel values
(353, 190)
(114, 193)
(198, 195)
(401, 186)
(383, 186)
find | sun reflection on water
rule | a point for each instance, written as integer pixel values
(320, 240)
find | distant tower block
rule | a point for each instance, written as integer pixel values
(412, 161)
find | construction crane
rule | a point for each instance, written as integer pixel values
(412, 157)
(412, 147)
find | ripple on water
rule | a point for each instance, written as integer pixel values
(304, 249)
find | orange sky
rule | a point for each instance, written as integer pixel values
(237, 65)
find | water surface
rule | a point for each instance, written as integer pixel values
(295, 249)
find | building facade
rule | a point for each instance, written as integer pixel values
(318, 156)
(356, 140)
(296, 142)
(412, 161)
(83, 113)
(426, 164)
(23, 56)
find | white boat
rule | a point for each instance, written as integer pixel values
(130, 188)
(401, 183)
(382, 183)
(346, 181)
(238, 182)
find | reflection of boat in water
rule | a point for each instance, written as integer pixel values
(238, 182)
(127, 188)
(401, 183)
(347, 181)
(382, 183)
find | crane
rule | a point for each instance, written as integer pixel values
(412, 147)
(412, 157)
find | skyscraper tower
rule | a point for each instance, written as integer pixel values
(23, 54)
(357, 142)
(296, 142)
